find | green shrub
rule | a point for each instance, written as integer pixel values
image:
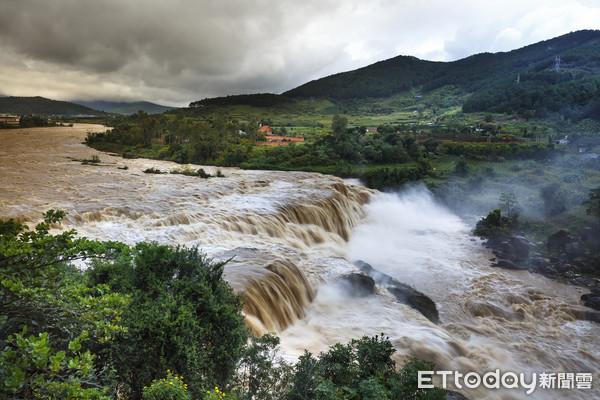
(182, 316)
(68, 323)
(170, 388)
(362, 369)
(493, 226)
(153, 171)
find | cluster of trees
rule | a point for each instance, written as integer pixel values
(156, 322)
(29, 121)
(215, 141)
(254, 100)
(343, 145)
(218, 141)
(539, 94)
(498, 151)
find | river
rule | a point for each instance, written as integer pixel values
(292, 234)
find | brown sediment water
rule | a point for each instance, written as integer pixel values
(290, 235)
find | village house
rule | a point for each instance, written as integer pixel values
(274, 140)
(266, 130)
(8, 119)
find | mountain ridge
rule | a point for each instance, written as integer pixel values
(42, 106)
(403, 73)
(125, 108)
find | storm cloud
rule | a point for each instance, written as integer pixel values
(183, 50)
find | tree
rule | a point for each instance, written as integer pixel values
(50, 323)
(462, 168)
(361, 369)
(494, 226)
(261, 373)
(554, 197)
(338, 126)
(183, 316)
(592, 203)
(508, 203)
(431, 145)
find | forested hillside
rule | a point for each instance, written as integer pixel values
(545, 71)
(125, 108)
(42, 106)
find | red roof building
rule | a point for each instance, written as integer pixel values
(266, 130)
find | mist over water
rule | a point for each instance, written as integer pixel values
(489, 319)
(290, 236)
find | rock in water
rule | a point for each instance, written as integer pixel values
(407, 295)
(358, 285)
(403, 293)
(592, 300)
(507, 264)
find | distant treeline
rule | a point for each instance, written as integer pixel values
(498, 151)
(255, 100)
(538, 94)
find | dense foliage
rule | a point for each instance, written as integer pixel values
(255, 100)
(218, 141)
(499, 151)
(182, 316)
(51, 325)
(539, 95)
(361, 369)
(592, 203)
(494, 226)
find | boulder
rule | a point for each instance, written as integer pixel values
(403, 293)
(358, 285)
(573, 250)
(507, 264)
(591, 300)
(516, 248)
(407, 295)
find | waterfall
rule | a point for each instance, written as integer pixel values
(289, 236)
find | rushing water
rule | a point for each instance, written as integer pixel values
(291, 235)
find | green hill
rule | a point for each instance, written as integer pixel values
(42, 106)
(579, 53)
(556, 75)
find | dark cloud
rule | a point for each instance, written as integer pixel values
(182, 50)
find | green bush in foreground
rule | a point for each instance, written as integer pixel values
(51, 325)
(182, 316)
(361, 369)
(170, 388)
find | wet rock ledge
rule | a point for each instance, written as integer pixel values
(362, 285)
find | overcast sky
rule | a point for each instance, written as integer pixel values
(176, 51)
